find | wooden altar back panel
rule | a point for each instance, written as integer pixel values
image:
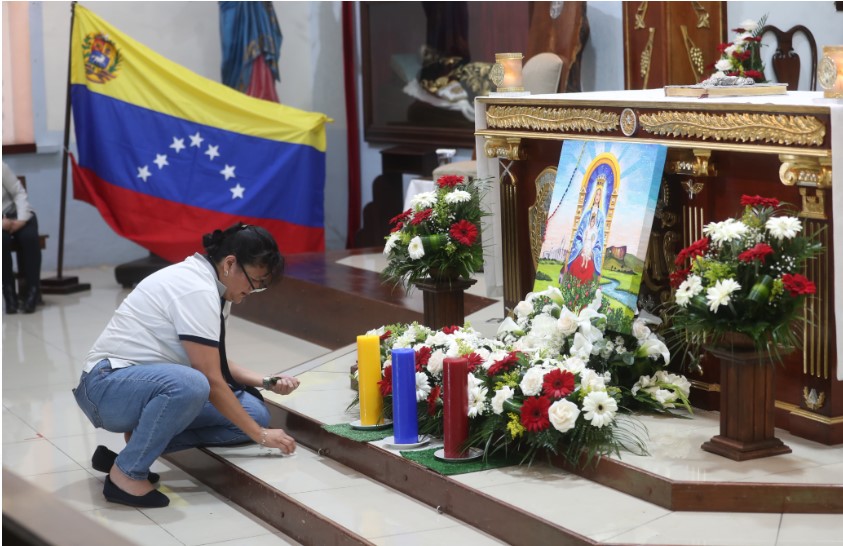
(563, 31)
(671, 43)
(811, 367)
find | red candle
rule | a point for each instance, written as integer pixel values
(455, 398)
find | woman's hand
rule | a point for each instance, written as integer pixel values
(285, 384)
(278, 439)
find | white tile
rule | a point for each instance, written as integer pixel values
(709, 529)
(53, 415)
(374, 511)
(277, 539)
(133, 525)
(15, 430)
(463, 535)
(78, 488)
(81, 448)
(36, 457)
(813, 529)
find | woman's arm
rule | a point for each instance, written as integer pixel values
(206, 359)
(285, 384)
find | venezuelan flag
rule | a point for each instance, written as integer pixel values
(167, 155)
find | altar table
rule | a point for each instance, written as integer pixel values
(782, 146)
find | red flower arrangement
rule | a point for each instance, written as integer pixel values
(742, 57)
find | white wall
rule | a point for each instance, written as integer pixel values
(311, 79)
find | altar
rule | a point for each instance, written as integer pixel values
(781, 146)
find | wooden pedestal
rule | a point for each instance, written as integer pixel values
(747, 406)
(444, 302)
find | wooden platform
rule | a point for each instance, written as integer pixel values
(330, 304)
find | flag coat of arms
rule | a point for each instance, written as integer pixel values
(166, 155)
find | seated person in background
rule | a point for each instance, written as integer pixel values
(159, 372)
(21, 226)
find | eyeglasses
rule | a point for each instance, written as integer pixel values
(254, 290)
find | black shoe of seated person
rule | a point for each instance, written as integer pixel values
(103, 460)
(10, 297)
(153, 499)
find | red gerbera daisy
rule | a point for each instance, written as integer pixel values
(385, 384)
(757, 200)
(798, 285)
(678, 277)
(534, 413)
(697, 248)
(758, 252)
(421, 216)
(449, 181)
(464, 232)
(506, 363)
(558, 383)
(422, 357)
(474, 360)
(398, 227)
(401, 217)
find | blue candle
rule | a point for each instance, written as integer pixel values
(405, 419)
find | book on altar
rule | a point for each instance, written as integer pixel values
(698, 91)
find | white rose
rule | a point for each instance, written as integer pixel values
(573, 364)
(563, 415)
(523, 309)
(531, 384)
(501, 395)
(434, 365)
(723, 65)
(567, 323)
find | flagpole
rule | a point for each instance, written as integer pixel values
(61, 284)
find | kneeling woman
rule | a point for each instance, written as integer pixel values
(159, 373)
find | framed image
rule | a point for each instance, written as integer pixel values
(424, 62)
(598, 226)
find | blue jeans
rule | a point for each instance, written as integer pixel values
(164, 406)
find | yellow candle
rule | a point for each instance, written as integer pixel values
(369, 374)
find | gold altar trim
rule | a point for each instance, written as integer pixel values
(503, 148)
(678, 144)
(743, 127)
(793, 409)
(551, 119)
(805, 171)
(703, 386)
(697, 163)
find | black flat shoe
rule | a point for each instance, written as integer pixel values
(153, 499)
(103, 460)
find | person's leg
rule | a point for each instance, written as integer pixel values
(9, 294)
(29, 262)
(211, 428)
(155, 402)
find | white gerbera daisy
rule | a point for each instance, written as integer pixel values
(783, 227)
(689, 288)
(457, 196)
(390, 243)
(501, 395)
(600, 408)
(416, 248)
(423, 200)
(721, 293)
(422, 386)
(477, 401)
(727, 230)
(563, 415)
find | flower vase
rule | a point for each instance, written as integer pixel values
(444, 303)
(747, 401)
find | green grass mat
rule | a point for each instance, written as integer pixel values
(346, 431)
(425, 457)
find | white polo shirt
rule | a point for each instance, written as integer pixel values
(179, 302)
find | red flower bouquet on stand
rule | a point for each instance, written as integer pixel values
(742, 57)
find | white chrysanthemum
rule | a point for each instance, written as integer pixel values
(599, 408)
(563, 415)
(501, 395)
(416, 248)
(390, 243)
(423, 200)
(387, 363)
(476, 401)
(784, 227)
(721, 293)
(438, 338)
(568, 322)
(723, 65)
(434, 365)
(727, 230)
(457, 196)
(531, 384)
(573, 364)
(422, 386)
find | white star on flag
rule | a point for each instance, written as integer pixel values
(228, 172)
(196, 140)
(237, 191)
(143, 172)
(178, 144)
(160, 160)
(212, 151)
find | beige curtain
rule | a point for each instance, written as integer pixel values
(17, 75)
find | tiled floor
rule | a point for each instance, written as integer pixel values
(48, 441)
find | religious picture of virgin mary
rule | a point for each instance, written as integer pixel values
(599, 218)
